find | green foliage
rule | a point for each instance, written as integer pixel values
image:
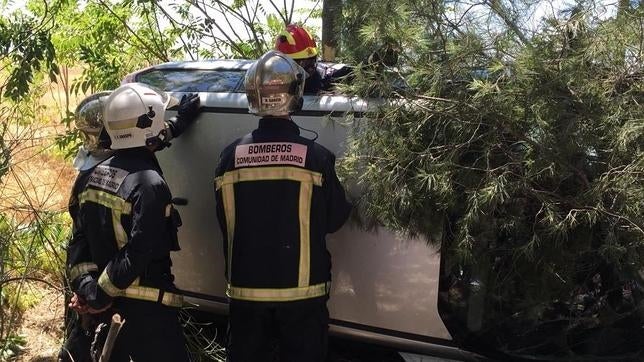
(18, 298)
(525, 164)
(5, 154)
(100, 40)
(37, 247)
(69, 143)
(25, 48)
(274, 24)
(34, 249)
(101, 73)
(232, 29)
(379, 34)
(30, 253)
(12, 346)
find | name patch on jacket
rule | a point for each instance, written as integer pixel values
(107, 178)
(272, 153)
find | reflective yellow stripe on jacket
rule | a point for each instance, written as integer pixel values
(118, 206)
(278, 295)
(269, 173)
(307, 180)
(139, 292)
(80, 269)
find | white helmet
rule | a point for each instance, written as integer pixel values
(274, 85)
(134, 116)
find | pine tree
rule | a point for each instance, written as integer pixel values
(523, 158)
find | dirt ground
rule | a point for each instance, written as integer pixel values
(42, 326)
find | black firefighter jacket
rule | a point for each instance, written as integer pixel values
(124, 227)
(277, 197)
(325, 77)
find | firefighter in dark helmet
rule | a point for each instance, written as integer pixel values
(125, 227)
(88, 119)
(277, 197)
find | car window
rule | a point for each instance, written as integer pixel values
(194, 80)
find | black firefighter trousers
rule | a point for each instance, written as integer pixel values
(151, 333)
(294, 331)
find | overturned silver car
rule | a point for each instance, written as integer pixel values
(385, 288)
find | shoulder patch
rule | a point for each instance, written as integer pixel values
(107, 177)
(273, 153)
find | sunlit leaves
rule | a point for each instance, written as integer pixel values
(26, 49)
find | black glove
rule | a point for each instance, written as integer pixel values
(189, 109)
(92, 293)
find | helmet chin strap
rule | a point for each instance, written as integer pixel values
(159, 141)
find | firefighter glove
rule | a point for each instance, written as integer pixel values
(189, 109)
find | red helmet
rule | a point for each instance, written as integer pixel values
(296, 42)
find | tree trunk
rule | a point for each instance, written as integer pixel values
(331, 14)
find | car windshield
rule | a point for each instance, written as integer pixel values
(194, 80)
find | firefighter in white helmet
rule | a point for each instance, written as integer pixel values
(125, 227)
(277, 197)
(95, 147)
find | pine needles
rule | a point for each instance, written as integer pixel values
(523, 160)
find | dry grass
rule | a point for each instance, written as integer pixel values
(35, 184)
(38, 181)
(39, 178)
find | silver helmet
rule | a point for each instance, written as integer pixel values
(88, 119)
(274, 85)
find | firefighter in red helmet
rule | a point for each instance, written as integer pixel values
(297, 43)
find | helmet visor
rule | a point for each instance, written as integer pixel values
(88, 119)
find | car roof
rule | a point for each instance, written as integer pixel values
(241, 65)
(210, 64)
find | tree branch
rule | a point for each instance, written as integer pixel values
(127, 27)
(23, 278)
(498, 8)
